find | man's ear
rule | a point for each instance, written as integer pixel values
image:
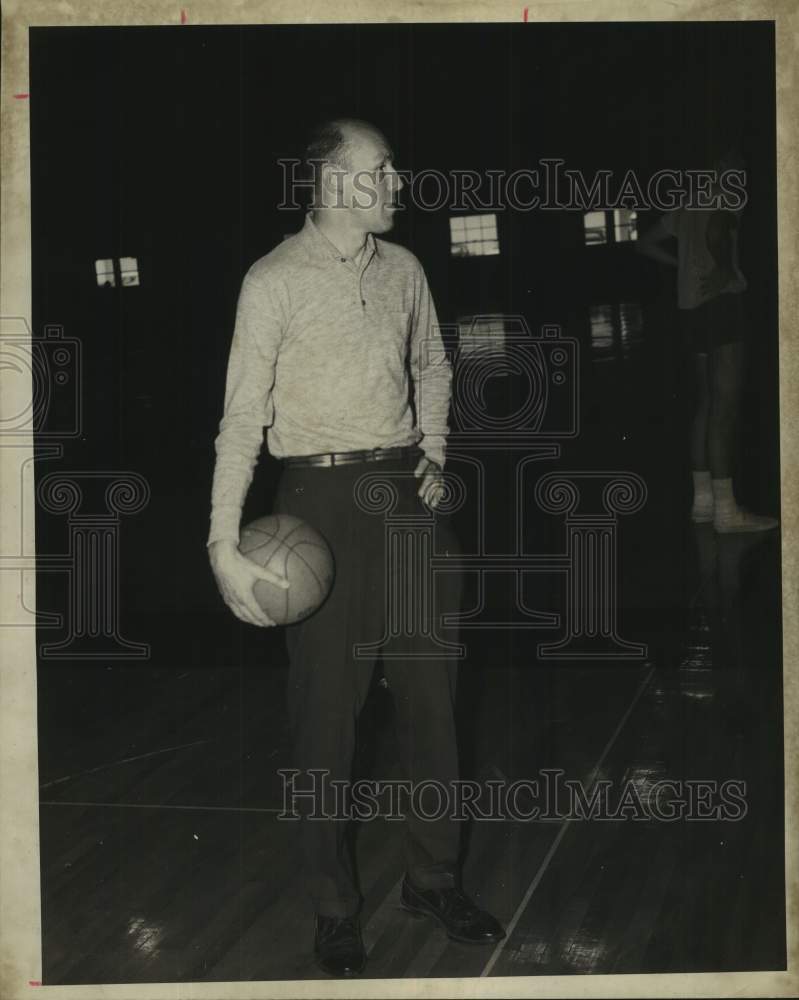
(332, 184)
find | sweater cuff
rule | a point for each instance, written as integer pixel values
(224, 525)
(435, 448)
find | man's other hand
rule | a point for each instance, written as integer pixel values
(715, 281)
(431, 488)
(236, 576)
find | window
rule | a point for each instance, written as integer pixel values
(110, 272)
(481, 333)
(596, 230)
(129, 269)
(473, 235)
(618, 225)
(104, 270)
(624, 225)
(616, 330)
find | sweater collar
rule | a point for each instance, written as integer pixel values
(321, 246)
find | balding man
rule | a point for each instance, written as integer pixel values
(331, 353)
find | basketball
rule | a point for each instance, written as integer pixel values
(292, 548)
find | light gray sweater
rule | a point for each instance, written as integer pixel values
(324, 353)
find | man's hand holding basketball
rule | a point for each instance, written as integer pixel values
(236, 576)
(432, 486)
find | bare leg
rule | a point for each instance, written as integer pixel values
(702, 510)
(725, 365)
(699, 426)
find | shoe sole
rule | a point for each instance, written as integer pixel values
(339, 975)
(418, 911)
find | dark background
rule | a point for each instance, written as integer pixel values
(161, 144)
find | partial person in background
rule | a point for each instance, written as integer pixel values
(710, 288)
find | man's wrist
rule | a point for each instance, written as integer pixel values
(222, 543)
(434, 448)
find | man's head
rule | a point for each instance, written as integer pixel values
(351, 164)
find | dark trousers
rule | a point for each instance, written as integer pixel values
(328, 684)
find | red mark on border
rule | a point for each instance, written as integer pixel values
(22, 97)
(183, 17)
(524, 15)
(34, 982)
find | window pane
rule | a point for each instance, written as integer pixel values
(475, 248)
(480, 334)
(625, 225)
(616, 330)
(129, 270)
(595, 228)
(474, 235)
(104, 269)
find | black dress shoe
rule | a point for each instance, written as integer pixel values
(460, 917)
(338, 947)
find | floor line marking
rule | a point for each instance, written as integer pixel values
(158, 805)
(380, 919)
(125, 760)
(428, 956)
(164, 805)
(561, 833)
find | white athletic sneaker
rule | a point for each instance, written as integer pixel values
(738, 519)
(702, 510)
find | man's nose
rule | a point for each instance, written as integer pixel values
(396, 181)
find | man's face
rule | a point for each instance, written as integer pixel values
(371, 186)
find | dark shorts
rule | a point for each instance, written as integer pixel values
(716, 322)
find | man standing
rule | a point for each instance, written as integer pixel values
(332, 354)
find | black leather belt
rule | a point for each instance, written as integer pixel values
(352, 457)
